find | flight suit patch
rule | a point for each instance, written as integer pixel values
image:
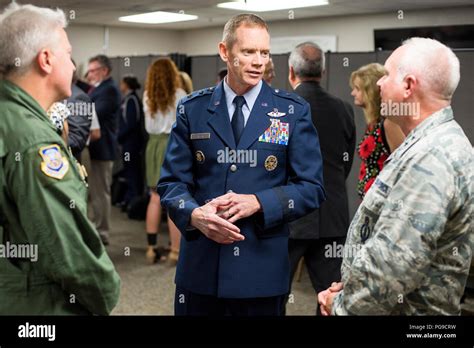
(54, 164)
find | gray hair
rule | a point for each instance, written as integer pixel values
(24, 31)
(103, 61)
(434, 64)
(307, 64)
(249, 19)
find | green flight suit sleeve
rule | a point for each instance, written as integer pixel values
(53, 212)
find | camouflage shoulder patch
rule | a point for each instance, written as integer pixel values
(54, 164)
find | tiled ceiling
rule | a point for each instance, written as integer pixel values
(107, 12)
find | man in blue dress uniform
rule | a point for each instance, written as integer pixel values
(243, 160)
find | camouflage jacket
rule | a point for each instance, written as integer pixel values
(409, 246)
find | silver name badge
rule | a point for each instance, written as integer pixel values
(200, 136)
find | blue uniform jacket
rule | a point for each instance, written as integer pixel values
(194, 173)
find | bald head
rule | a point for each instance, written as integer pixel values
(307, 60)
(434, 65)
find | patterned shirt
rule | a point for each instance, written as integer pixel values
(409, 246)
(373, 150)
(58, 113)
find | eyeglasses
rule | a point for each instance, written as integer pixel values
(94, 70)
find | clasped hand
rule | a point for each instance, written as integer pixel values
(326, 298)
(216, 219)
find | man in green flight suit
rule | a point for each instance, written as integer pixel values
(42, 189)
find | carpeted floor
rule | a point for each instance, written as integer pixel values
(149, 289)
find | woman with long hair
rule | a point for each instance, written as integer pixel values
(162, 94)
(382, 136)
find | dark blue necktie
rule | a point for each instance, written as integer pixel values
(238, 121)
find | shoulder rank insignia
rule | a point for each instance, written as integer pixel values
(54, 164)
(275, 113)
(195, 94)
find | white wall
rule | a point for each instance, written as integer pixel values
(354, 33)
(88, 41)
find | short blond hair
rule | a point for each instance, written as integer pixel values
(247, 19)
(186, 82)
(368, 76)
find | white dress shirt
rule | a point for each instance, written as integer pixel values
(161, 122)
(250, 98)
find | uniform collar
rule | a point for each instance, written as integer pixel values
(250, 97)
(307, 82)
(13, 92)
(256, 124)
(434, 120)
(311, 83)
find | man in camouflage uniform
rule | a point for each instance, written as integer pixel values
(413, 233)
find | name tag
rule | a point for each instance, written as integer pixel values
(199, 136)
(382, 187)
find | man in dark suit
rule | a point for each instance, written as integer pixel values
(242, 161)
(79, 121)
(319, 235)
(105, 94)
